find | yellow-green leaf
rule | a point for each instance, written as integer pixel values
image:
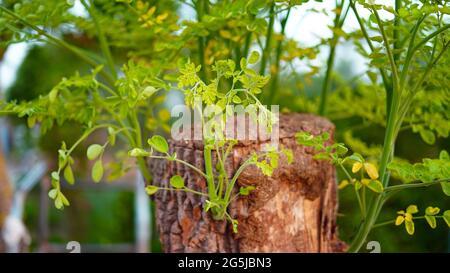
(399, 220)
(365, 181)
(375, 186)
(431, 220)
(408, 217)
(137, 152)
(371, 170)
(64, 199)
(68, 175)
(94, 151)
(97, 171)
(237, 99)
(289, 155)
(409, 225)
(412, 209)
(432, 211)
(159, 143)
(446, 216)
(53, 193)
(446, 188)
(254, 57)
(356, 167)
(177, 182)
(343, 184)
(58, 202)
(150, 189)
(246, 190)
(55, 176)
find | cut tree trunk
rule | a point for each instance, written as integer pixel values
(294, 210)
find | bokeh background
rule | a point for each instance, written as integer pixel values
(116, 217)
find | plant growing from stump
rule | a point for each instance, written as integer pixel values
(220, 187)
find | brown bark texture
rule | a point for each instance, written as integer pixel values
(294, 210)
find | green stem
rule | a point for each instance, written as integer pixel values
(396, 188)
(326, 81)
(248, 40)
(388, 50)
(398, 4)
(183, 189)
(388, 147)
(431, 36)
(384, 77)
(201, 40)
(275, 74)
(141, 162)
(266, 50)
(392, 222)
(102, 38)
(330, 62)
(209, 172)
(429, 68)
(87, 133)
(358, 197)
(107, 89)
(180, 161)
(363, 200)
(410, 51)
(234, 179)
(221, 158)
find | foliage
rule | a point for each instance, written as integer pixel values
(405, 88)
(220, 185)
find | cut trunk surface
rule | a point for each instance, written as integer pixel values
(294, 210)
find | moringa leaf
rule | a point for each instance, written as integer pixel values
(94, 151)
(97, 171)
(159, 143)
(177, 182)
(150, 189)
(68, 175)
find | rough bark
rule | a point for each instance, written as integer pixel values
(294, 210)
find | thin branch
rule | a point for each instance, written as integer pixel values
(101, 37)
(414, 184)
(388, 50)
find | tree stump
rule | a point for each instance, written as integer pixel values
(294, 210)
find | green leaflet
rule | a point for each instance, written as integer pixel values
(177, 182)
(94, 151)
(150, 190)
(159, 143)
(68, 175)
(97, 171)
